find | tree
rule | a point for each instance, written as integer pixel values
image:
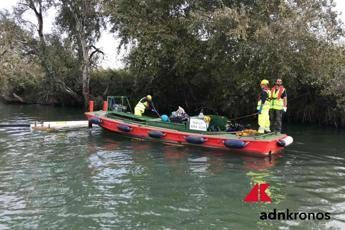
(52, 83)
(82, 21)
(214, 53)
(20, 73)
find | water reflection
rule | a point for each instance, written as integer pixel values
(197, 160)
(214, 159)
(260, 164)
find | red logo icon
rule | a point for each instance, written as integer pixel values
(258, 194)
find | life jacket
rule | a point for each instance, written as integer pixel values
(267, 103)
(145, 102)
(277, 101)
(142, 104)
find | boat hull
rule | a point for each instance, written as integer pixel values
(254, 146)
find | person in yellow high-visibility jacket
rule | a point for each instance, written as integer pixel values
(143, 104)
(278, 105)
(263, 107)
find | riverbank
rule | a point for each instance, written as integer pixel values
(303, 108)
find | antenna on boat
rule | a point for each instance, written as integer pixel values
(129, 105)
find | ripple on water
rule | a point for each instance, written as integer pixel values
(93, 179)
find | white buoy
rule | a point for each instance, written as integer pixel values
(59, 125)
(286, 141)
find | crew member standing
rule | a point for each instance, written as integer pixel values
(143, 104)
(278, 105)
(264, 104)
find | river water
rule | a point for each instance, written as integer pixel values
(92, 179)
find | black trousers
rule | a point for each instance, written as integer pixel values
(276, 117)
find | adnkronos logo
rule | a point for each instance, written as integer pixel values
(258, 194)
(288, 215)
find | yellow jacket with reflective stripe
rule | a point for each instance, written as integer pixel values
(142, 105)
(277, 102)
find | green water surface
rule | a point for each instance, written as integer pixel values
(93, 179)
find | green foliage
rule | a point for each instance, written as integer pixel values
(65, 69)
(197, 54)
(106, 82)
(213, 54)
(19, 71)
(82, 15)
(22, 71)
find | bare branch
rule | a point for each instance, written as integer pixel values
(96, 50)
(3, 53)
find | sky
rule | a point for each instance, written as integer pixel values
(108, 43)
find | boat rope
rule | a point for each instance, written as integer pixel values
(155, 110)
(241, 117)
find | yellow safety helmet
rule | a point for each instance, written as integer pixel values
(264, 82)
(149, 97)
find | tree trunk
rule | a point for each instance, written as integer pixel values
(83, 45)
(85, 78)
(43, 54)
(39, 16)
(85, 65)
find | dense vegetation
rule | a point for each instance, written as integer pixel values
(197, 54)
